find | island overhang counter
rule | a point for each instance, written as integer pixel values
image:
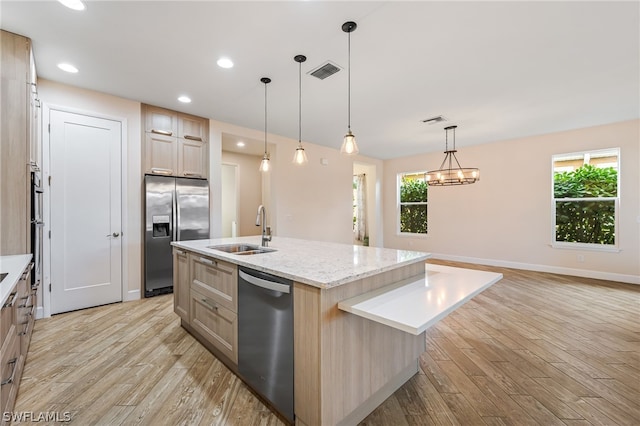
(348, 357)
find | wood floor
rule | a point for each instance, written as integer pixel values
(533, 349)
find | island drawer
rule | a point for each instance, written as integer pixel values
(215, 279)
(9, 370)
(217, 324)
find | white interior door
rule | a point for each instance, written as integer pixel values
(86, 218)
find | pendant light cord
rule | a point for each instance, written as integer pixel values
(299, 102)
(265, 119)
(349, 83)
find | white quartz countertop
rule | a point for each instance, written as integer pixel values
(316, 263)
(415, 306)
(14, 266)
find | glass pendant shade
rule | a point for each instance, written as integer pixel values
(349, 145)
(265, 164)
(450, 172)
(300, 157)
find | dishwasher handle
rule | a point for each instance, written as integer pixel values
(269, 285)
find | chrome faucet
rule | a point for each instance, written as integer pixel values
(266, 230)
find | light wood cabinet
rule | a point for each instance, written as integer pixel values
(192, 158)
(206, 298)
(160, 155)
(175, 143)
(216, 279)
(35, 152)
(160, 121)
(15, 133)
(216, 324)
(192, 128)
(17, 317)
(181, 284)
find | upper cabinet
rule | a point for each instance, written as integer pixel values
(160, 121)
(175, 143)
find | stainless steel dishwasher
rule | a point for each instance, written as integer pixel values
(265, 337)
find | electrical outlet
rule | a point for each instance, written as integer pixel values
(581, 258)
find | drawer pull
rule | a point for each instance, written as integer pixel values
(179, 252)
(161, 171)
(192, 174)
(12, 298)
(162, 132)
(193, 138)
(209, 305)
(207, 261)
(13, 361)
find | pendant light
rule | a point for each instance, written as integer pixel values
(449, 173)
(300, 157)
(265, 165)
(349, 145)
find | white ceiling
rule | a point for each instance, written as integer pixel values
(499, 70)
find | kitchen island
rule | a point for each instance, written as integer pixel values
(350, 354)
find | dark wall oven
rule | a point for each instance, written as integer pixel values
(37, 227)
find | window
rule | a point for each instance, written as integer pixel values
(412, 203)
(586, 198)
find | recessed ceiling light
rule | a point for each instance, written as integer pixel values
(68, 68)
(225, 63)
(73, 4)
(240, 144)
(184, 99)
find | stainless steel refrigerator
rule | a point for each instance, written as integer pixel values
(177, 209)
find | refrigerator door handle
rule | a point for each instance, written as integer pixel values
(174, 223)
(178, 224)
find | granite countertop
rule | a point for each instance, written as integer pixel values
(13, 265)
(316, 263)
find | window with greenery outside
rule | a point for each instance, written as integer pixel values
(413, 203)
(586, 199)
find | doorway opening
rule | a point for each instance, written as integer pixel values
(365, 205)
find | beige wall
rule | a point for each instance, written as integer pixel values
(85, 101)
(506, 218)
(312, 201)
(249, 195)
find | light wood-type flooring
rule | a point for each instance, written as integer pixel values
(533, 349)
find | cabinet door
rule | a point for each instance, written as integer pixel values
(160, 121)
(215, 279)
(160, 154)
(9, 371)
(181, 284)
(34, 117)
(218, 325)
(192, 128)
(192, 157)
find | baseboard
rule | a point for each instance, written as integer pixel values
(39, 312)
(609, 276)
(131, 295)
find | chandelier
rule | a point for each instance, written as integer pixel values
(450, 172)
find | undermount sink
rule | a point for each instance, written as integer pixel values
(3, 275)
(241, 249)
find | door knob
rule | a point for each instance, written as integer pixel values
(115, 234)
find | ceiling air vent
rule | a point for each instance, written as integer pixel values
(325, 70)
(434, 120)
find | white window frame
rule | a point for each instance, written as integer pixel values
(399, 233)
(586, 246)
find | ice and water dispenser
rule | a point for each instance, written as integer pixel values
(161, 226)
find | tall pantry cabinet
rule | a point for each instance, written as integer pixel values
(19, 150)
